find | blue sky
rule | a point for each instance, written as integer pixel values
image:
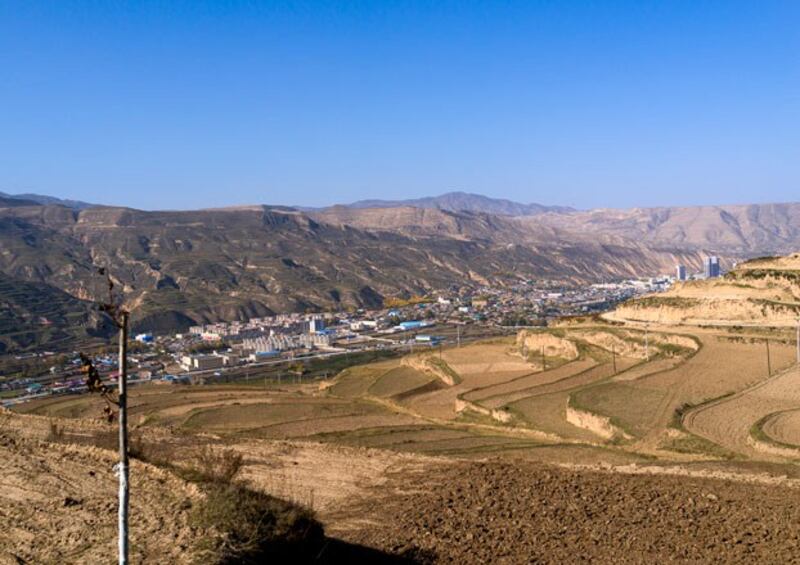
(588, 104)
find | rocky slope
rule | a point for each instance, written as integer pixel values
(727, 230)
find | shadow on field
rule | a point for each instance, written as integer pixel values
(242, 525)
(329, 551)
(338, 552)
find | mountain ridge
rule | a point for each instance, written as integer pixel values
(45, 200)
(178, 268)
(463, 202)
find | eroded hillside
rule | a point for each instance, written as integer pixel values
(758, 292)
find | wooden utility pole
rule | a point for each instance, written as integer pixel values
(646, 343)
(769, 361)
(614, 358)
(544, 360)
(798, 341)
(122, 381)
(458, 334)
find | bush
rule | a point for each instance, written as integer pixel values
(55, 433)
(254, 526)
(214, 467)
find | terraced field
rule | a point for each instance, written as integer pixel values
(783, 428)
(591, 393)
(730, 422)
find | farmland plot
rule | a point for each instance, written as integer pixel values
(729, 422)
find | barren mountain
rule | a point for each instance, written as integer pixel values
(29, 199)
(178, 268)
(464, 202)
(733, 230)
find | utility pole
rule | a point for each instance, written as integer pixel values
(458, 334)
(122, 381)
(544, 360)
(646, 343)
(614, 358)
(798, 340)
(769, 361)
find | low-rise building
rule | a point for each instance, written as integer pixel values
(202, 362)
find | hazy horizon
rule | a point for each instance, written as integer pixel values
(207, 105)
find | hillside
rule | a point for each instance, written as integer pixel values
(744, 230)
(758, 292)
(28, 199)
(35, 314)
(178, 268)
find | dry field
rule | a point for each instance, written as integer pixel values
(783, 428)
(732, 422)
(607, 388)
(437, 440)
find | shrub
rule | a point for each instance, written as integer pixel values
(55, 433)
(254, 526)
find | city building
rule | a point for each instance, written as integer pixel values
(315, 324)
(201, 362)
(711, 267)
(680, 272)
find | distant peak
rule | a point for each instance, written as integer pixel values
(459, 201)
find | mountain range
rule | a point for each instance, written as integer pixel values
(464, 202)
(28, 198)
(178, 268)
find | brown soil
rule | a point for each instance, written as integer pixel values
(58, 505)
(729, 422)
(530, 513)
(784, 427)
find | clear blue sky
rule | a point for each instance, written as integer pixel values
(193, 104)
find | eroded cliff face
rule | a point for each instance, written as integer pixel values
(536, 343)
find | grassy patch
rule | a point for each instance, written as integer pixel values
(441, 365)
(398, 381)
(676, 421)
(757, 432)
(700, 446)
(628, 407)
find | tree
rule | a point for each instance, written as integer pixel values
(119, 316)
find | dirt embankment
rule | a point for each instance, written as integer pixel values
(434, 366)
(619, 345)
(595, 423)
(501, 416)
(534, 343)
